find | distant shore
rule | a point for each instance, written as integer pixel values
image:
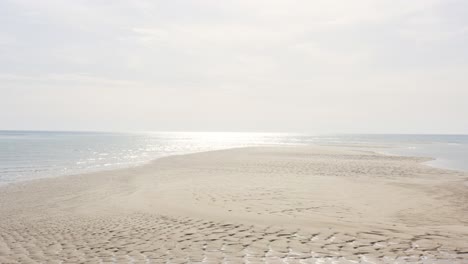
(256, 204)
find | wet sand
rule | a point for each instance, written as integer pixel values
(250, 205)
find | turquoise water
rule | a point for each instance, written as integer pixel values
(26, 155)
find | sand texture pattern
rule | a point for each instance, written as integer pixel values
(251, 205)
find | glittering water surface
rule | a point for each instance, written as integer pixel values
(28, 155)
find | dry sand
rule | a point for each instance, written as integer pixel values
(250, 205)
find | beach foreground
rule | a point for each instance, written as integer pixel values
(253, 205)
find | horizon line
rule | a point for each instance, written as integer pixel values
(233, 132)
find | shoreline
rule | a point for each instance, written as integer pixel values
(264, 203)
(425, 160)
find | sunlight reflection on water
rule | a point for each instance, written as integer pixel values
(30, 154)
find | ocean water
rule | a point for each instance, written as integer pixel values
(26, 155)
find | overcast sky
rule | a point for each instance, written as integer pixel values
(375, 66)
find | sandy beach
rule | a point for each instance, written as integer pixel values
(316, 204)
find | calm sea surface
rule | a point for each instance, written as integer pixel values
(26, 155)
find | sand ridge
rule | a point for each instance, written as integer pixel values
(250, 205)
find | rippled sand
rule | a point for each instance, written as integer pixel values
(251, 205)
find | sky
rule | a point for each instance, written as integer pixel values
(322, 66)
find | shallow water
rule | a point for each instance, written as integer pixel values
(28, 155)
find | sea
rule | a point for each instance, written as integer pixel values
(28, 155)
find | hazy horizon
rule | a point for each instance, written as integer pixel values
(233, 132)
(386, 67)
